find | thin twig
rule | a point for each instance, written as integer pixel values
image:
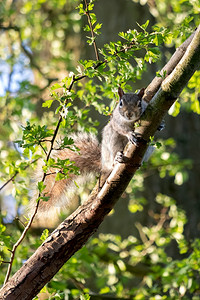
(35, 211)
(54, 137)
(40, 144)
(91, 29)
(16, 173)
(19, 242)
(22, 223)
(9, 180)
(100, 63)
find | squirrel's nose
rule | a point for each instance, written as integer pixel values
(129, 115)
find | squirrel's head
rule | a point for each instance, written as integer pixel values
(130, 105)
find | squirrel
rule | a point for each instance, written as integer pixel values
(92, 158)
(120, 129)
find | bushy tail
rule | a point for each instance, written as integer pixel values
(61, 192)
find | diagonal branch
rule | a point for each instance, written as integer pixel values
(15, 174)
(73, 233)
(167, 69)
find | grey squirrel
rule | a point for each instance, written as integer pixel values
(92, 158)
(121, 127)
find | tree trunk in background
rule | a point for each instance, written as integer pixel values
(121, 15)
(185, 130)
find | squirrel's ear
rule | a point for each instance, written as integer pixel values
(141, 93)
(120, 92)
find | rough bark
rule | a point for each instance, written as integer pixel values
(73, 233)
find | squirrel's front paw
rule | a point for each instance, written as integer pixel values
(120, 158)
(134, 139)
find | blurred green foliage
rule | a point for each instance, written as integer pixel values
(44, 75)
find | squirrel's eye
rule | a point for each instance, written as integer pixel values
(139, 103)
(120, 103)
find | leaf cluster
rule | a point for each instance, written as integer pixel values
(62, 167)
(34, 135)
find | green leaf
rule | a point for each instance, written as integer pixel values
(93, 18)
(158, 145)
(90, 6)
(98, 26)
(43, 198)
(84, 297)
(55, 86)
(81, 9)
(41, 186)
(144, 26)
(58, 109)
(47, 103)
(44, 235)
(86, 28)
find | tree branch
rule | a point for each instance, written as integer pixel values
(168, 68)
(91, 29)
(15, 174)
(73, 233)
(35, 209)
